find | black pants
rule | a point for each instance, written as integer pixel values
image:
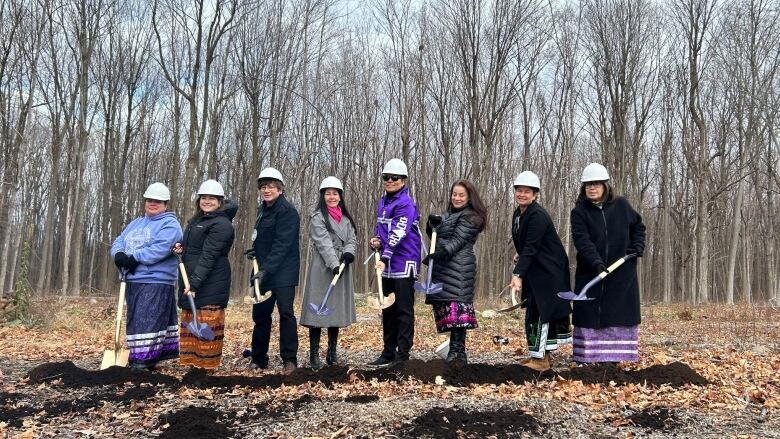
(283, 297)
(398, 319)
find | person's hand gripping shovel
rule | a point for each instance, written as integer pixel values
(256, 278)
(118, 356)
(321, 309)
(429, 287)
(381, 301)
(201, 330)
(513, 303)
(570, 295)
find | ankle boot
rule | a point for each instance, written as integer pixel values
(540, 364)
(314, 348)
(333, 340)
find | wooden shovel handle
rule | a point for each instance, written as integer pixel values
(378, 276)
(433, 241)
(119, 310)
(256, 269)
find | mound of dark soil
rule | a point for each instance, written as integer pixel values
(194, 422)
(458, 423)
(427, 371)
(327, 376)
(675, 374)
(8, 398)
(74, 376)
(49, 410)
(361, 399)
(656, 418)
(137, 393)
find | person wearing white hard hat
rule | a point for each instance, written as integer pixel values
(398, 240)
(605, 228)
(207, 241)
(275, 246)
(333, 242)
(541, 272)
(143, 253)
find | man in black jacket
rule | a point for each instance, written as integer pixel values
(276, 247)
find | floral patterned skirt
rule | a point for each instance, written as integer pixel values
(451, 315)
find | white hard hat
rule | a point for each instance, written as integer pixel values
(527, 178)
(331, 182)
(158, 191)
(270, 173)
(211, 187)
(594, 172)
(395, 167)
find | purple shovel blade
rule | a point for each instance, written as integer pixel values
(568, 295)
(201, 330)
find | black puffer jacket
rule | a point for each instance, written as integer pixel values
(207, 241)
(602, 235)
(457, 271)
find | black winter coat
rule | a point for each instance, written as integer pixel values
(456, 235)
(207, 241)
(277, 244)
(602, 235)
(542, 263)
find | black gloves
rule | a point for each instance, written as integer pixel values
(631, 250)
(122, 260)
(250, 254)
(600, 268)
(259, 276)
(336, 270)
(438, 255)
(347, 258)
(434, 220)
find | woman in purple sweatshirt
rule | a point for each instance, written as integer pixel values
(397, 238)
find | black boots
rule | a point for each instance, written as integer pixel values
(457, 353)
(331, 356)
(333, 339)
(314, 348)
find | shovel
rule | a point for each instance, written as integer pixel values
(515, 303)
(118, 356)
(321, 310)
(380, 301)
(259, 297)
(201, 330)
(429, 287)
(569, 295)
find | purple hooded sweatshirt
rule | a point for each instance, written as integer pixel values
(397, 226)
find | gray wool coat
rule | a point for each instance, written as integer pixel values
(326, 251)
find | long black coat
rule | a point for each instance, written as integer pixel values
(456, 234)
(207, 241)
(602, 235)
(276, 244)
(542, 263)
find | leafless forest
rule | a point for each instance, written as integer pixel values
(678, 98)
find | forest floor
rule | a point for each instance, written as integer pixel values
(710, 371)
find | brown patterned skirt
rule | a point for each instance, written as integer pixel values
(202, 353)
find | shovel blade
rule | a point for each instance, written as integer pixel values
(202, 331)
(569, 295)
(114, 358)
(420, 286)
(324, 312)
(313, 307)
(387, 301)
(434, 289)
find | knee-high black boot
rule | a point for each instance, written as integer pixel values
(333, 340)
(314, 348)
(457, 351)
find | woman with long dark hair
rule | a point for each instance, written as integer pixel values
(207, 241)
(605, 228)
(334, 241)
(456, 265)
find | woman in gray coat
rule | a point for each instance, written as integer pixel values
(456, 265)
(333, 237)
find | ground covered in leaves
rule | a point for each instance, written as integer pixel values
(705, 372)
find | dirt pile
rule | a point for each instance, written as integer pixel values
(655, 418)
(361, 399)
(193, 422)
(459, 423)
(675, 374)
(71, 375)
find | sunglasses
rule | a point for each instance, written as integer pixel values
(386, 177)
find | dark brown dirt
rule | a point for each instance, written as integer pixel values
(458, 423)
(675, 374)
(194, 422)
(73, 376)
(656, 418)
(361, 399)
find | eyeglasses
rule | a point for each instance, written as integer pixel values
(151, 201)
(386, 177)
(593, 183)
